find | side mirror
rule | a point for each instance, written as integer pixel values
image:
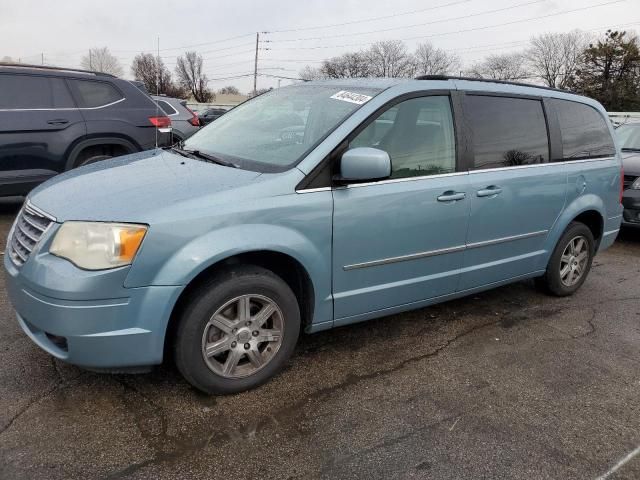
(364, 163)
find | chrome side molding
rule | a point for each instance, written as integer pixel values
(444, 251)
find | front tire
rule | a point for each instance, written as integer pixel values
(93, 159)
(570, 262)
(237, 331)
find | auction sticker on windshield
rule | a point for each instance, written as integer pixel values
(351, 97)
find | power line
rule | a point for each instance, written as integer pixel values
(371, 19)
(402, 27)
(215, 50)
(453, 32)
(193, 45)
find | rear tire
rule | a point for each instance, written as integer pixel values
(570, 261)
(238, 330)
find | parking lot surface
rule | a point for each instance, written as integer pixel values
(506, 384)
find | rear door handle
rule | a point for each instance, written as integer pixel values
(490, 191)
(58, 121)
(451, 196)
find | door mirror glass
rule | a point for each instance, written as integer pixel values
(364, 163)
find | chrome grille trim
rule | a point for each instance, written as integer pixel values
(28, 228)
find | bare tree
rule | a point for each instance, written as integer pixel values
(508, 66)
(260, 91)
(389, 58)
(229, 90)
(151, 71)
(555, 57)
(310, 73)
(348, 65)
(191, 77)
(101, 60)
(429, 60)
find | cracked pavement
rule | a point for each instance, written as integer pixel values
(509, 383)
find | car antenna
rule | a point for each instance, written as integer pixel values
(157, 87)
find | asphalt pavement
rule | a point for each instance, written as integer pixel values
(510, 383)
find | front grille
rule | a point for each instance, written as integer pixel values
(27, 230)
(628, 180)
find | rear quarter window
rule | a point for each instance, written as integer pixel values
(91, 94)
(583, 130)
(167, 107)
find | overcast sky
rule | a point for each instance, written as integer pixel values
(224, 32)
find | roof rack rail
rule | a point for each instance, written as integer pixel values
(49, 67)
(488, 80)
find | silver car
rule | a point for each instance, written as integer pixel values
(185, 122)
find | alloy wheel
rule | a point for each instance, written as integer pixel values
(242, 336)
(574, 260)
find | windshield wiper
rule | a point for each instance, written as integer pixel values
(207, 157)
(630, 149)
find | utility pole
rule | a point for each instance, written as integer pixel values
(255, 66)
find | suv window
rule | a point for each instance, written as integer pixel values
(506, 131)
(417, 134)
(167, 107)
(94, 94)
(33, 92)
(583, 130)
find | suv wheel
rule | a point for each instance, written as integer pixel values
(570, 262)
(98, 153)
(237, 331)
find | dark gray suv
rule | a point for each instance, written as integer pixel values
(52, 120)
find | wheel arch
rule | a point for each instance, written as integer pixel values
(587, 209)
(76, 149)
(290, 269)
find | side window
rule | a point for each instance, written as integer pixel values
(61, 95)
(94, 94)
(166, 107)
(506, 131)
(417, 134)
(583, 130)
(25, 92)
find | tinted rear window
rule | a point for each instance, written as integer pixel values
(168, 109)
(94, 94)
(506, 131)
(584, 131)
(33, 92)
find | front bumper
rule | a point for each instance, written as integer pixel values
(631, 203)
(66, 312)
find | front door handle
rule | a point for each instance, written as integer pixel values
(490, 191)
(451, 196)
(58, 121)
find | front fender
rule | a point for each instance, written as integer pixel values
(203, 251)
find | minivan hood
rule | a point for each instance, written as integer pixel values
(130, 188)
(631, 163)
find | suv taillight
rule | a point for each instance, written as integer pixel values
(160, 122)
(194, 120)
(621, 183)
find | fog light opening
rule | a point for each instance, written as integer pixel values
(58, 341)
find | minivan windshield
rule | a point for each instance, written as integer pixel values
(629, 136)
(274, 131)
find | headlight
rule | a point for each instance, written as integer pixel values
(96, 245)
(636, 184)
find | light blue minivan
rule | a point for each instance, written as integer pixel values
(312, 206)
